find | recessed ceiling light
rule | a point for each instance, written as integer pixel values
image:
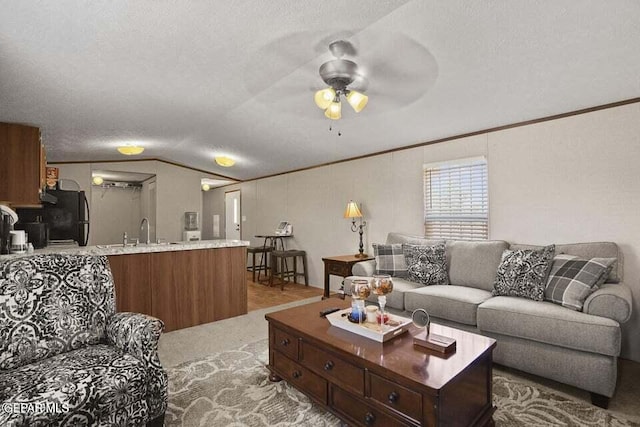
(225, 161)
(130, 150)
(98, 180)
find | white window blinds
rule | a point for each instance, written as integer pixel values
(456, 202)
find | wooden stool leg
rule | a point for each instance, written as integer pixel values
(304, 268)
(253, 267)
(273, 272)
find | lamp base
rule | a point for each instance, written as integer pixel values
(361, 255)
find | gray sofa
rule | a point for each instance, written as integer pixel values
(539, 337)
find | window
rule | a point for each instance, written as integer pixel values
(456, 200)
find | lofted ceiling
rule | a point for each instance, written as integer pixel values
(189, 80)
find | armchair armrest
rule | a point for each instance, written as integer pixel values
(364, 268)
(138, 334)
(612, 300)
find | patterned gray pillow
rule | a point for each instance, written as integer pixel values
(523, 273)
(573, 279)
(426, 264)
(390, 259)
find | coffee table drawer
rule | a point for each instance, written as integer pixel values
(358, 411)
(285, 343)
(305, 380)
(396, 397)
(332, 367)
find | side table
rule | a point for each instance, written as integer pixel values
(338, 266)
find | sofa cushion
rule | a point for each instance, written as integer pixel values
(92, 385)
(523, 273)
(455, 303)
(549, 323)
(589, 250)
(572, 279)
(390, 259)
(474, 264)
(426, 265)
(52, 304)
(412, 240)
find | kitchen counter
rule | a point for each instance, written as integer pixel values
(142, 248)
(183, 284)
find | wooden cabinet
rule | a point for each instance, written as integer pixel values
(182, 288)
(22, 165)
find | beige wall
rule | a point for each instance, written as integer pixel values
(115, 211)
(570, 180)
(177, 191)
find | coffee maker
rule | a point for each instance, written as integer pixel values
(8, 217)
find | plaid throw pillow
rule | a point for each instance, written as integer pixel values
(572, 279)
(523, 273)
(390, 259)
(426, 265)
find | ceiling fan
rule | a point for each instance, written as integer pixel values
(339, 73)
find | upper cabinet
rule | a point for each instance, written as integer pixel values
(22, 165)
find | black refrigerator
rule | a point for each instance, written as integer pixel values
(67, 219)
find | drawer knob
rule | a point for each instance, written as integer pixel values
(328, 366)
(393, 397)
(296, 374)
(369, 419)
(284, 342)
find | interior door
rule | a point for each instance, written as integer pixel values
(232, 215)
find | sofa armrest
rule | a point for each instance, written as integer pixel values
(611, 300)
(364, 268)
(138, 334)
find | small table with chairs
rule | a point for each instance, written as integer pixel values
(274, 260)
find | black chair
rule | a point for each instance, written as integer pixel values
(280, 269)
(264, 252)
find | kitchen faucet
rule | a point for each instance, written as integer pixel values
(147, 241)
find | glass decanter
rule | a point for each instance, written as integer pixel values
(360, 291)
(381, 285)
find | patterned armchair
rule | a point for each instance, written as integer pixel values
(66, 357)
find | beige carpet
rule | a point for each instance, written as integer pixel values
(231, 388)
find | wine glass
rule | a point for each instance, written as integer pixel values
(360, 291)
(381, 285)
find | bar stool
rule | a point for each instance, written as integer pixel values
(264, 252)
(279, 267)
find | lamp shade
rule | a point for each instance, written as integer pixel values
(324, 97)
(352, 211)
(357, 100)
(334, 112)
(130, 150)
(225, 161)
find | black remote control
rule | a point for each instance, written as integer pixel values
(329, 310)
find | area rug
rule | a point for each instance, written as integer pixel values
(232, 389)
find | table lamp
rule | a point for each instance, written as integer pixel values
(354, 212)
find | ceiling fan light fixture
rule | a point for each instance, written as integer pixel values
(357, 100)
(130, 150)
(324, 97)
(334, 111)
(225, 161)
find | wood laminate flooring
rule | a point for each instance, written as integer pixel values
(262, 296)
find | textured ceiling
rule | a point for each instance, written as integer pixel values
(192, 79)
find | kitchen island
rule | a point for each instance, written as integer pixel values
(184, 283)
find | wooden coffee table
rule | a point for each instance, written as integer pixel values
(367, 383)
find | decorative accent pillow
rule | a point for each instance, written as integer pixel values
(523, 273)
(390, 259)
(426, 264)
(572, 279)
